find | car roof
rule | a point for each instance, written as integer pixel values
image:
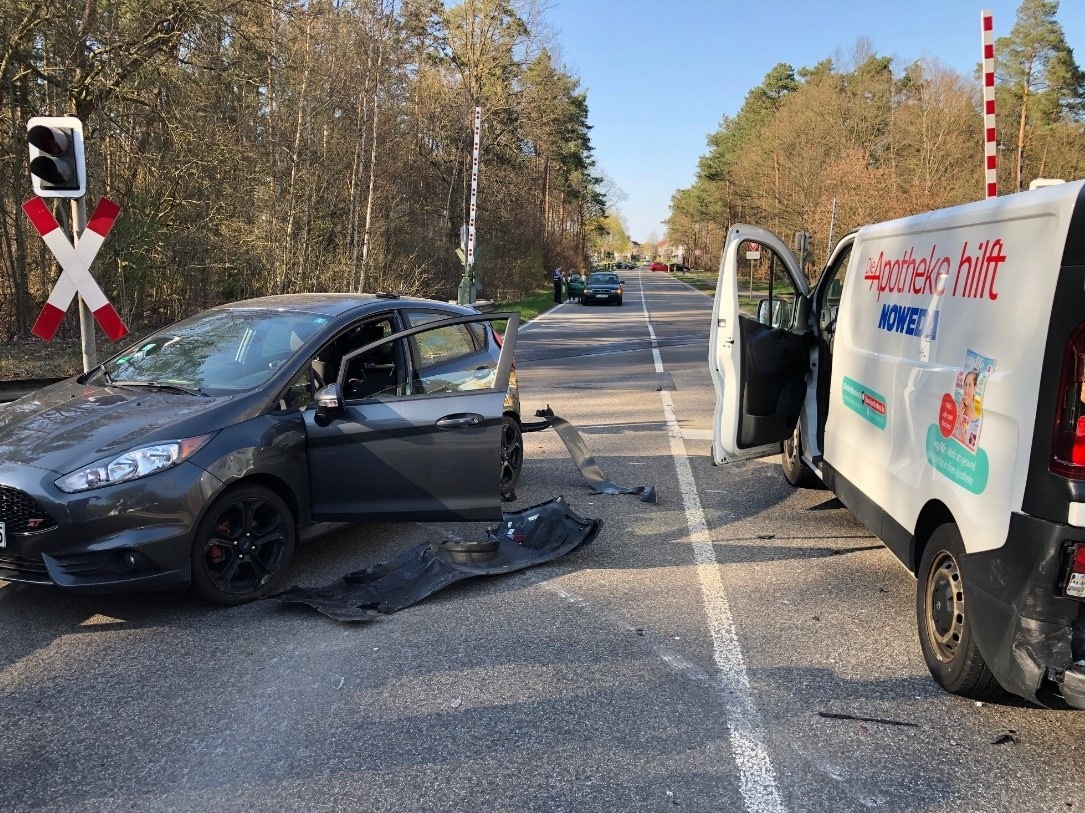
(333, 304)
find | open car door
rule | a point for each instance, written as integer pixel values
(423, 442)
(759, 348)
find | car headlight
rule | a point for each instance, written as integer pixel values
(588, 290)
(619, 290)
(132, 465)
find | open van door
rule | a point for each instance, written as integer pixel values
(759, 349)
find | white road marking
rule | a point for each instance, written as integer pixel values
(697, 434)
(757, 779)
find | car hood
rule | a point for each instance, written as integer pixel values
(69, 424)
(604, 286)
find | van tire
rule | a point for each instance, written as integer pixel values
(795, 471)
(945, 631)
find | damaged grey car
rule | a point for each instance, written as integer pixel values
(207, 451)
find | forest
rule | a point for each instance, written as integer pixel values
(271, 146)
(852, 140)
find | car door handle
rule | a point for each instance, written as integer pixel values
(462, 421)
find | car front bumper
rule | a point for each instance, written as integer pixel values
(136, 535)
(601, 296)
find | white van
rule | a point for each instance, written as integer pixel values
(933, 380)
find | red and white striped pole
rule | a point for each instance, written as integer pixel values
(990, 145)
(474, 202)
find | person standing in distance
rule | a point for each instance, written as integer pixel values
(558, 282)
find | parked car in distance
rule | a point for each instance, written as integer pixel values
(204, 453)
(657, 266)
(602, 286)
(575, 286)
(678, 268)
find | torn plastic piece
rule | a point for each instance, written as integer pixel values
(525, 538)
(1009, 737)
(880, 720)
(584, 459)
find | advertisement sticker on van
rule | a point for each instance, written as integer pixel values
(953, 442)
(865, 401)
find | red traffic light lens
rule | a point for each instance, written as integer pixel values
(48, 139)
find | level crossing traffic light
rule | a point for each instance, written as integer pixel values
(57, 166)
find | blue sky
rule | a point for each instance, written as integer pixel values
(661, 74)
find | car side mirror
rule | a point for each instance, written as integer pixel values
(329, 402)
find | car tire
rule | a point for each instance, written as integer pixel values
(796, 472)
(619, 300)
(945, 630)
(243, 546)
(512, 456)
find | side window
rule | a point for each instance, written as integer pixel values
(452, 358)
(299, 395)
(770, 292)
(443, 345)
(829, 291)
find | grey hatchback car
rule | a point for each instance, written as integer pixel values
(206, 451)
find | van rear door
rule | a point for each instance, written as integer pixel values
(759, 349)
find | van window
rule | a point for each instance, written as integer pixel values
(831, 288)
(770, 294)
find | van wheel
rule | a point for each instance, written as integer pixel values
(795, 471)
(945, 633)
(243, 546)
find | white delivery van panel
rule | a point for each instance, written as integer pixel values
(934, 306)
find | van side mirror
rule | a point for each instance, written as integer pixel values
(764, 311)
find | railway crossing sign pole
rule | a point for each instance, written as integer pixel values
(58, 170)
(75, 259)
(468, 285)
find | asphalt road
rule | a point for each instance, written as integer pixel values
(684, 660)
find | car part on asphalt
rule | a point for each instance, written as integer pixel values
(524, 538)
(584, 459)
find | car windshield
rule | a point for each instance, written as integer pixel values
(217, 352)
(602, 279)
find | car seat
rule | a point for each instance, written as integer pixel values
(374, 371)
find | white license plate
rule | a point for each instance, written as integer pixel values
(3, 536)
(601, 296)
(1076, 587)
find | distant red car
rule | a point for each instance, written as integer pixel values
(657, 267)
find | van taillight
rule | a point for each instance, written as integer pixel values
(1068, 448)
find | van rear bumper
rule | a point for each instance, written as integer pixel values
(1023, 625)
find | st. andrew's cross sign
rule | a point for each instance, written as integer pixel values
(75, 264)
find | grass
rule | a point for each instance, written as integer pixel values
(34, 358)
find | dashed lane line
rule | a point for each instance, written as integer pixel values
(757, 779)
